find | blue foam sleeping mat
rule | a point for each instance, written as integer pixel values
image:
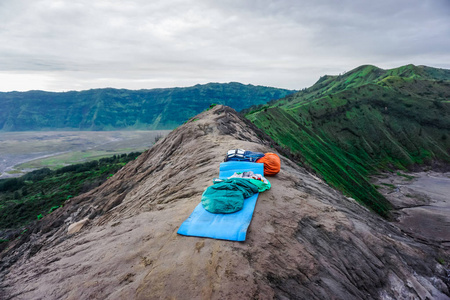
(231, 227)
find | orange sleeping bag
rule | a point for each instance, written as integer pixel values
(271, 162)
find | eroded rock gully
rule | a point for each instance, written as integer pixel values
(306, 240)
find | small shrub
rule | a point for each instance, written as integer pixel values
(388, 185)
(53, 209)
(408, 177)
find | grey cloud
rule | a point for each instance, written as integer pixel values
(168, 43)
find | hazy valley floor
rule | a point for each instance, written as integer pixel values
(23, 151)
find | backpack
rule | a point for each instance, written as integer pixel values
(272, 164)
(243, 155)
(235, 155)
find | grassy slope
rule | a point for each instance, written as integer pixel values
(348, 127)
(113, 109)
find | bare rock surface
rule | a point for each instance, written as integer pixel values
(75, 227)
(306, 240)
(421, 201)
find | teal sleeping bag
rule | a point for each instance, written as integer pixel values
(227, 196)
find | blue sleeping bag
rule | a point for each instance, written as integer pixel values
(232, 226)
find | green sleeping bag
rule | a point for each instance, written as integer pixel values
(227, 196)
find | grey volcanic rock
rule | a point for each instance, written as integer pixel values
(306, 240)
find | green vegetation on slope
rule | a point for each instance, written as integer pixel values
(350, 126)
(113, 109)
(38, 193)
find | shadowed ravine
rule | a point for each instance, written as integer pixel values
(306, 240)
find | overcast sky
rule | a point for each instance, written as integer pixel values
(81, 44)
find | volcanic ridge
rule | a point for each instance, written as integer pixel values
(306, 240)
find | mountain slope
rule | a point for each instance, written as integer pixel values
(112, 109)
(349, 126)
(306, 240)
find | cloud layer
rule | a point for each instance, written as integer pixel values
(78, 44)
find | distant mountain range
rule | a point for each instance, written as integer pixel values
(114, 109)
(349, 126)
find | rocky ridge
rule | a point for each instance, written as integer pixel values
(306, 240)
